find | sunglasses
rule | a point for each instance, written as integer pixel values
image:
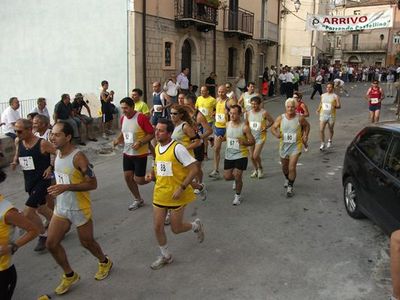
(174, 113)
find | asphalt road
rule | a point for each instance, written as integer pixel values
(270, 247)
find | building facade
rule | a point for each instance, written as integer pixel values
(224, 37)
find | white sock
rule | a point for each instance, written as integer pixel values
(43, 234)
(195, 226)
(164, 251)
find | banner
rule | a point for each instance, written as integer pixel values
(381, 19)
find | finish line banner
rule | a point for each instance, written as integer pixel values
(381, 19)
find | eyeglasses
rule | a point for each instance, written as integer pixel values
(174, 113)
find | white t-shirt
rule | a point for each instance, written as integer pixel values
(171, 88)
(183, 81)
(181, 153)
(289, 77)
(338, 82)
(9, 116)
(46, 134)
(43, 112)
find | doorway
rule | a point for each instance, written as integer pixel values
(248, 58)
(187, 56)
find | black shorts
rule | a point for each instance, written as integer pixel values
(135, 164)
(240, 164)
(169, 207)
(107, 110)
(199, 153)
(38, 193)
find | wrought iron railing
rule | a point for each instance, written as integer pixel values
(195, 10)
(371, 46)
(241, 21)
(25, 107)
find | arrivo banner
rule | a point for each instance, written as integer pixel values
(381, 19)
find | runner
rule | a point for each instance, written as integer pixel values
(75, 178)
(245, 99)
(374, 97)
(33, 155)
(203, 130)
(136, 133)
(259, 120)
(173, 172)
(206, 105)
(292, 130)
(161, 104)
(330, 102)
(339, 86)
(230, 93)
(10, 218)
(301, 110)
(238, 137)
(221, 117)
(140, 105)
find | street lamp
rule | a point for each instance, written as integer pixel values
(297, 5)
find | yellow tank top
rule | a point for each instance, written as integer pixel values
(6, 233)
(170, 174)
(220, 115)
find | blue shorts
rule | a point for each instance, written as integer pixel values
(219, 131)
(375, 107)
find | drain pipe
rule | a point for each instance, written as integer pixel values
(215, 49)
(144, 51)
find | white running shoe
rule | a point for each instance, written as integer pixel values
(329, 144)
(214, 174)
(236, 200)
(289, 191)
(136, 204)
(254, 174)
(234, 185)
(196, 191)
(203, 193)
(199, 231)
(286, 183)
(260, 174)
(322, 147)
(161, 261)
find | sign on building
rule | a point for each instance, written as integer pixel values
(381, 19)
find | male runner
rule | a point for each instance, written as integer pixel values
(245, 99)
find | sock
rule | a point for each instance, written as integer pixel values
(195, 226)
(291, 182)
(164, 251)
(70, 274)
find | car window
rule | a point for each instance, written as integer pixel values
(393, 160)
(374, 145)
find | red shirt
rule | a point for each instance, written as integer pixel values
(375, 93)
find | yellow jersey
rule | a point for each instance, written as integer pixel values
(206, 106)
(221, 117)
(6, 233)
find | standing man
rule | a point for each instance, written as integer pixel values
(238, 139)
(183, 81)
(33, 155)
(289, 83)
(174, 170)
(77, 105)
(161, 103)
(272, 80)
(221, 117)
(390, 84)
(75, 178)
(210, 83)
(107, 109)
(317, 86)
(374, 97)
(292, 130)
(9, 116)
(140, 105)
(330, 102)
(136, 133)
(171, 87)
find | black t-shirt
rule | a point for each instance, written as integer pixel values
(211, 89)
(63, 111)
(77, 106)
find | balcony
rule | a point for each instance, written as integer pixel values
(268, 32)
(370, 47)
(200, 13)
(238, 23)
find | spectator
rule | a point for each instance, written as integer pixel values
(317, 86)
(77, 105)
(289, 83)
(272, 80)
(240, 83)
(390, 84)
(9, 116)
(63, 112)
(140, 105)
(41, 108)
(171, 87)
(210, 83)
(183, 81)
(41, 126)
(31, 115)
(107, 109)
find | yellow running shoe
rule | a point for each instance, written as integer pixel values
(66, 283)
(104, 269)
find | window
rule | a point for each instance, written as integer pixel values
(338, 42)
(232, 58)
(357, 12)
(396, 39)
(306, 61)
(374, 145)
(168, 55)
(355, 41)
(393, 161)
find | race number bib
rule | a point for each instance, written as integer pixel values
(26, 163)
(158, 108)
(233, 143)
(204, 111)
(128, 137)
(164, 168)
(61, 178)
(220, 118)
(327, 107)
(289, 137)
(374, 100)
(256, 126)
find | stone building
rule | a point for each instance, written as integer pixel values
(205, 35)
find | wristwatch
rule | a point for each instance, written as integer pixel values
(14, 248)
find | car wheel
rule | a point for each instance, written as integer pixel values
(350, 197)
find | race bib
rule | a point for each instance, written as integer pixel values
(326, 107)
(233, 143)
(26, 163)
(158, 108)
(128, 137)
(164, 168)
(374, 100)
(256, 126)
(220, 118)
(61, 178)
(204, 111)
(289, 137)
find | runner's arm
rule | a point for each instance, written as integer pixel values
(250, 141)
(194, 139)
(306, 112)
(305, 129)
(206, 127)
(269, 118)
(15, 161)
(337, 104)
(275, 127)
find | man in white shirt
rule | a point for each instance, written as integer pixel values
(9, 116)
(171, 87)
(41, 108)
(183, 80)
(289, 83)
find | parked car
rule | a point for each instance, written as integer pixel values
(371, 175)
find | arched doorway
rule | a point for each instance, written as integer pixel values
(186, 56)
(248, 58)
(354, 61)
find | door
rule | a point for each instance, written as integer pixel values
(187, 56)
(247, 65)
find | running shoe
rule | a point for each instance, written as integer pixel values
(322, 147)
(161, 261)
(167, 220)
(236, 200)
(214, 174)
(260, 174)
(136, 204)
(329, 144)
(203, 193)
(66, 283)
(196, 191)
(289, 191)
(234, 185)
(199, 231)
(41, 245)
(254, 174)
(286, 183)
(104, 269)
